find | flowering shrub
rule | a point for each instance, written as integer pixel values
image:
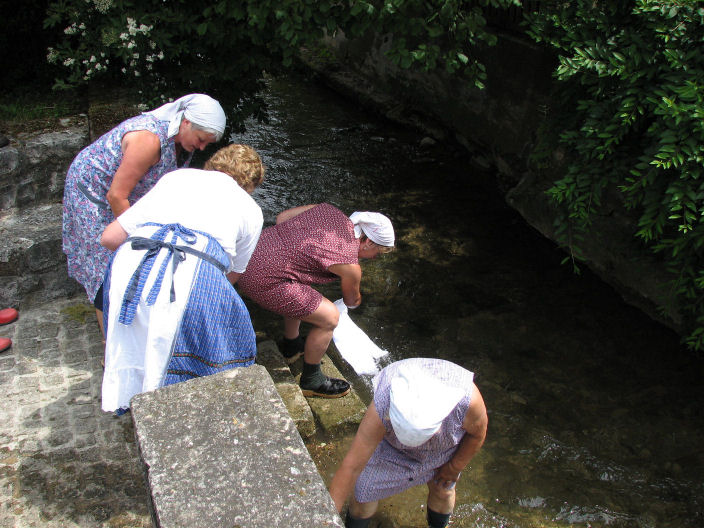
(168, 47)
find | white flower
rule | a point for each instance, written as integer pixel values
(102, 5)
(92, 58)
(69, 61)
(135, 55)
(52, 55)
(124, 70)
(136, 73)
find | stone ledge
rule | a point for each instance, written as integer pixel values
(223, 451)
(268, 356)
(32, 263)
(334, 415)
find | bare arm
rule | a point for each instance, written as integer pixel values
(140, 151)
(233, 277)
(475, 423)
(350, 280)
(113, 236)
(294, 211)
(369, 434)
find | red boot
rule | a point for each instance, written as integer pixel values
(5, 343)
(8, 315)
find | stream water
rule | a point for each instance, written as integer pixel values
(595, 411)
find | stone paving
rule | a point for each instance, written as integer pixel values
(63, 462)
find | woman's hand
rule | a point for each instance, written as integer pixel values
(141, 150)
(350, 280)
(447, 475)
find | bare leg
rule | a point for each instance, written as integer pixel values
(324, 320)
(99, 315)
(362, 510)
(291, 327)
(313, 382)
(440, 499)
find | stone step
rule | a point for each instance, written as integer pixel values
(32, 263)
(33, 166)
(268, 356)
(334, 415)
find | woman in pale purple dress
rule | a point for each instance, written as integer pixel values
(427, 421)
(117, 169)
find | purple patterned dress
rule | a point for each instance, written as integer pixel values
(394, 467)
(86, 209)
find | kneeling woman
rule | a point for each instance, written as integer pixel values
(171, 312)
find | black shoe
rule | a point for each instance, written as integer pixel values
(330, 388)
(4, 141)
(292, 349)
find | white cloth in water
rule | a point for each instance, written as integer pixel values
(376, 226)
(354, 345)
(419, 403)
(200, 109)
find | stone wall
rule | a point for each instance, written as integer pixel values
(498, 126)
(32, 172)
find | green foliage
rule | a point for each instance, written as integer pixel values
(432, 34)
(632, 95)
(165, 49)
(168, 48)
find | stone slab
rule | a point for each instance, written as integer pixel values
(269, 356)
(223, 451)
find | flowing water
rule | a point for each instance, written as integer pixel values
(595, 411)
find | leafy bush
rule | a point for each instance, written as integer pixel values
(168, 48)
(632, 94)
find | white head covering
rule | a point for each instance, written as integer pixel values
(376, 226)
(200, 109)
(419, 404)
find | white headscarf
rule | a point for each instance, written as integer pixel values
(200, 109)
(419, 404)
(376, 226)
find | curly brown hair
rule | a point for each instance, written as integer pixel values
(241, 162)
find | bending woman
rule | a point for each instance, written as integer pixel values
(313, 244)
(117, 169)
(171, 312)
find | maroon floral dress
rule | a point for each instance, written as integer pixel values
(295, 254)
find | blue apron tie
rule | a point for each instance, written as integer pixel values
(153, 246)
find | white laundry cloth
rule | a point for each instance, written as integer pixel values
(354, 345)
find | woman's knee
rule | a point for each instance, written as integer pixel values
(326, 316)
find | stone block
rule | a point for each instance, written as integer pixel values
(223, 451)
(338, 414)
(268, 356)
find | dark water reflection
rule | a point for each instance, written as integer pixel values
(595, 410)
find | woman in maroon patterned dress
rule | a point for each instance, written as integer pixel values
(313, 244)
